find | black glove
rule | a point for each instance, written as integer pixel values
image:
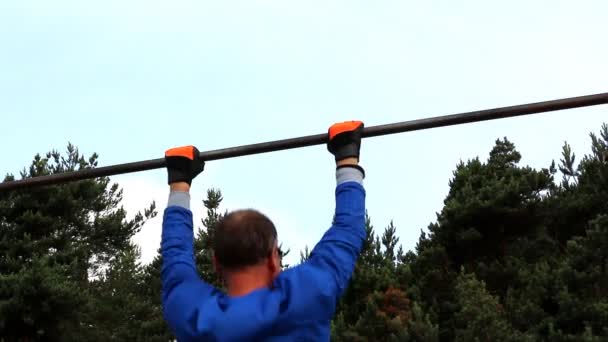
(183, 164)
(345, 139)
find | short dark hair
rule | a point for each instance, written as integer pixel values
(243, 238)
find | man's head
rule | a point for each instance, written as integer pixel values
(245, 248)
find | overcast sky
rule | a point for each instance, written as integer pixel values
(129, 79)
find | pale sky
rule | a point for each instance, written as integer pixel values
(129, 79)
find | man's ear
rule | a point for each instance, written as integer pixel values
(273, 263)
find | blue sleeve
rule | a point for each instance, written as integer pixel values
(313, 288)
(183, 291)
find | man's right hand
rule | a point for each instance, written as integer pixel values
(345, 141)
(183, 164)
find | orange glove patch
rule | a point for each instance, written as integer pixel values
(183, 151)
(342, 127)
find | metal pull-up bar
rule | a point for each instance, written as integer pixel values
(318, 139)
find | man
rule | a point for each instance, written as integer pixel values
(262, 303)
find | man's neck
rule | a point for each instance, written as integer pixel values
(243, 282)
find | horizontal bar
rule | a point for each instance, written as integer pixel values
(318, 139)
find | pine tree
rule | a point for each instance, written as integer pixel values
(480, 317)
(155, 327)
(123, 311)
(203, 243)
(54, 239)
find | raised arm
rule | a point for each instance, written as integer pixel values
(339, 249)
(182, 289)
(319, 282)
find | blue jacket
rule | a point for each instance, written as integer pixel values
(298, 307)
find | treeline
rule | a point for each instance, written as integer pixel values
(516, 254)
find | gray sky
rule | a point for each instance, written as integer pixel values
(128, 79)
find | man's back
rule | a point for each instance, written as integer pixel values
(263, 315)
